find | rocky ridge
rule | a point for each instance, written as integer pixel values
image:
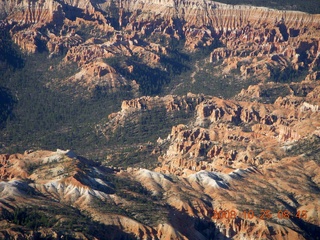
(251, 40)
(231, 144)
(257, 151)
(63, 178)
(242, 133)
(130, 110)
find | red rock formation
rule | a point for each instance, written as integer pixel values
(64, 179)
(219, 134)
(234, 155)
(129, 108)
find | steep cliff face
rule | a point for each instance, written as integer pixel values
(224, 17)
(233, 167)
(76, 188)
(239, 156)
(258, 43)
(243, 30)
(32, 12)
(62, 180)
(228, 132)
(239, 133)
(132, 110)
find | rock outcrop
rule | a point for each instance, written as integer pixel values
(130, 110)
(257, 42)
(96, 78)
(275, 38)
(237, 168)
(238, 134)
(62, 180)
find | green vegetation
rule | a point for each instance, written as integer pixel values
(287, 75)
(31, 218)
(33, 115)
(142, 206)
(207, 79)
(150, 79)
(310, 6)
(308, 147)
(151, 125)
(270, 95)
(49, 119)
(65, 221)
(32, 166)
(113, 14)
(7, 102)
(134, 138)
(10, 56)
(133, 155)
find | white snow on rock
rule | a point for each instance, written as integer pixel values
(210, 179)
(153, 181)
(13, 188)
(216, 179)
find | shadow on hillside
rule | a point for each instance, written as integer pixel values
(7, 102)
(310, 231)
(186, 225)
(10, 54)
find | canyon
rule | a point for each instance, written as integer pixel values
(207, 164)
(253, 40)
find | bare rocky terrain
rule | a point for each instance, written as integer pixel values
(197, 120)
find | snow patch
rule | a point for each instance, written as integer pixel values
(157, 177)
(59, 155)
(153, 181)
(210, 179)
(217, 179)
(14, 188)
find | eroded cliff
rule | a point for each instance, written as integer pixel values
(258, 42)
(256, 153)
